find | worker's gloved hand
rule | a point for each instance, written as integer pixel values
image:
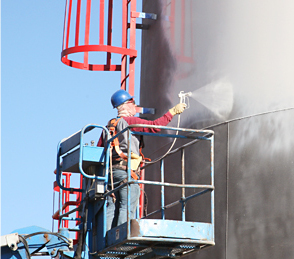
(179, 108)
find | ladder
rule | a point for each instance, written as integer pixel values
(88, 37)
(65, 203)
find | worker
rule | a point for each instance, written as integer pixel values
(126, 109)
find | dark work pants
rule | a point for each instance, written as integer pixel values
(117, 212)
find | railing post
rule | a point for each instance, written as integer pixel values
(128, 186)
(142, 199)
(183, 182)
(162, 188)
(212, 179)
(60, 205)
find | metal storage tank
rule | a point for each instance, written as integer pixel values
(237, 59)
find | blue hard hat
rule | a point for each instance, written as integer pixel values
(119, 97)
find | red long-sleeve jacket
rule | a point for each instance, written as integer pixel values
(135, 142)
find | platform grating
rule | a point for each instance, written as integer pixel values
(145, 249)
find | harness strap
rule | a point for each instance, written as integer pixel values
(111, 177)
(143, 157)
(115, 143)
(134, 176)
(118, 150)
(142, 144)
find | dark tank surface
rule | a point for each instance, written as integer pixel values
(237, 59)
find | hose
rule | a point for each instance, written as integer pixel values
(26, 246)
(219, 124)
(65, 239)
(172, 145)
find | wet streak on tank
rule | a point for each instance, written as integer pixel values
(237, 58)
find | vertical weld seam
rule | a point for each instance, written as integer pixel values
(182, 47)
(191, 31)
(227, 189)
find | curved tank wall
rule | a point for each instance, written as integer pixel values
(237, 59)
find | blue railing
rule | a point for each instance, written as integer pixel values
(73, 154)
(74, 150)
(193, 136)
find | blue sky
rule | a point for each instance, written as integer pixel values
(42, 102)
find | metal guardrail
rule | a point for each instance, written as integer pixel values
(75, 144)
(200, 135)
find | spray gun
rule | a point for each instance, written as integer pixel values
(184, 98)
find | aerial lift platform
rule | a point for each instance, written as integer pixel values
(144, 236)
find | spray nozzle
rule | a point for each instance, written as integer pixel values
(184, 98)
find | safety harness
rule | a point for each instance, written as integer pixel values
(114, 145)
(122, 159)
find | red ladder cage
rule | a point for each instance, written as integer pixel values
(89, 28)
